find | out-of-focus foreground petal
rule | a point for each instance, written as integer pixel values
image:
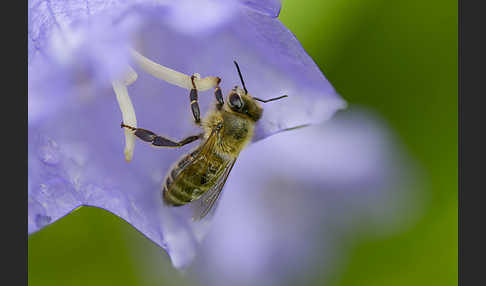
(270, 7)
(76, 146)
(292, 197)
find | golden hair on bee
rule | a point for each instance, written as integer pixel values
(199, 177)
(237, 118)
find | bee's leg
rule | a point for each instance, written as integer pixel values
(194, 103)
(159, 141)
(219, 95)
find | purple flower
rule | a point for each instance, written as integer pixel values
(92, 64)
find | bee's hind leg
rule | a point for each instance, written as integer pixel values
(159, 141)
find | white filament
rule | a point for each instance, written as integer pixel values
(164, 73)
(130, 76)
(171, 76)
(128, 115)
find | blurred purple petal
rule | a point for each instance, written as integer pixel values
(76, 146)
(296, 194)
(270, 7)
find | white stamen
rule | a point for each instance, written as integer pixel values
(128, 115)
(171, 76)
(130, 76)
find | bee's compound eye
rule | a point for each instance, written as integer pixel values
(235, 101)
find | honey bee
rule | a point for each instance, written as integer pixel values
(199, 177)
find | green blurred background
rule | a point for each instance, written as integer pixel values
(397, 58)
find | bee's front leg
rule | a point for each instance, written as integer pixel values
(218, 94)
(160, 141)
(194, 104)
(193, 97)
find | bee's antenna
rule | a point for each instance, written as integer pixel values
(271, 99)
(241, 77)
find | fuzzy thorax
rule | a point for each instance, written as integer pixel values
(236, 133)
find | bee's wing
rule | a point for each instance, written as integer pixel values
(208, 145)
(200, 154)
(206, 202)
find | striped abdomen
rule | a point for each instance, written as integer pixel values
(191, 177)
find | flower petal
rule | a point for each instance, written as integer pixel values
(272, 61)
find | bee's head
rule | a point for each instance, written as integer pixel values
(239, 100)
